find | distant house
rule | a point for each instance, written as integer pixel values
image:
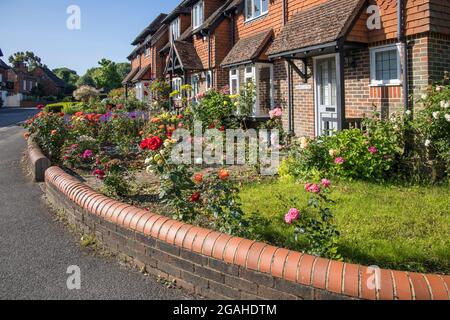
(18, 84)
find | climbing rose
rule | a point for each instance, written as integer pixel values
(153, 144)
(276, 113)
(292, 215)
(373, 150)
(326, 183)
(339, 160)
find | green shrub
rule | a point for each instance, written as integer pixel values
(216, 110)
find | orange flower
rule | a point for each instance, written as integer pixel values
(224, 174)
(198, 178)
(154, 120)
(26, 135)
(162, 127)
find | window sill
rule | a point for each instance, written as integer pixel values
(262, 16)
(397, 84)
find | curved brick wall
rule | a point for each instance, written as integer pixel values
(221, 266)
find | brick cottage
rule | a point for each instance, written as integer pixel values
(325, 62)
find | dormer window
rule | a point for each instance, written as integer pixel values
(175, 29)
(256, 8)
(197, 15)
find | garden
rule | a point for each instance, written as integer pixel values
(378, 195)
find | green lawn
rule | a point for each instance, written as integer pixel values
(390, 226)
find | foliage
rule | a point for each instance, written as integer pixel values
(123, 69)
(30, 60)
(315, 222)
(49, 132)
(245, 101)
(390, 225)
(161, 94)
(216, 110)
(107, 76)
(70, 77)
(115, 182)
(84, 93)
(82, 154)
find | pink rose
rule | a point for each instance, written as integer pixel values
(308, 186)
(326, 183)
(292, 216)
(373, 150)
(315, 188)
(87, 154)
(339, 160)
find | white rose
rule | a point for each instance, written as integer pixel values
(446, 105)
(447, 117)
(427, 143)
(198, 161)
(149, 170)
(408, 112)
(436, 115)
(424, 97)
(148, 161)
(439, 88)
(442, 104)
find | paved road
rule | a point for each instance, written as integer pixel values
(35, 251)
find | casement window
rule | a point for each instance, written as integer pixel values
(385, 65)
(197, 15)
(175, 29)
(176, 86)
(234, 81)
(255, 8)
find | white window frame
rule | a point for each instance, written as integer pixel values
(198, 15)
(177, 83)
(147, 52)
(373, 66)
(195, 86)
(24, 85)
(254, 75)
(235, 77)
(253, 14)
(175, 31)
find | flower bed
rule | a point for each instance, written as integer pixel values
(118, 147)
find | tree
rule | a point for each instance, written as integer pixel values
(69, 76)
(30, 60)
(123, 69)
(107, 76)
(87, 79)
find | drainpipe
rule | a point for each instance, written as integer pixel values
(210, 58)
(285, 13)
(289, 77)
(402, 39)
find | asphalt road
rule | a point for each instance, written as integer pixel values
(36, 251)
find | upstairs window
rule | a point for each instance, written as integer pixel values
(256, 8)
(147, 52)
(176, 86)
(197, 15)
(175, 29)
(385, 65)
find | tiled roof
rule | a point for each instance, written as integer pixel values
(188, 56)
(57, 81)
(234, 4)
(248, 49)
(3, 65)
(141, 74)
(181, 8)
(324, 23)
(130, 76)
(215, 16)
(152, 28)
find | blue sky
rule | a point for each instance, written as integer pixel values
(107, 29)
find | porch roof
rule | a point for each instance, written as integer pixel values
(3, 65)
(130, 76)
(141, 74)
(322, 24)
(248, 49)
(187, 56)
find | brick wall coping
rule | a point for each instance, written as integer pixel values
(38, 163)
(340, 278)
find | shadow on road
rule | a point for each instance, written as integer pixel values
(14, 116)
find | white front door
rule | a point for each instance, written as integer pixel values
(326, 98)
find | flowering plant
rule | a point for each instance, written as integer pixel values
(82, 154)
(315, 222)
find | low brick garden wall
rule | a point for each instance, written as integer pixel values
(220, 266)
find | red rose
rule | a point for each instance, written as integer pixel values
(195, 197)
(40, 106)
(153, 144)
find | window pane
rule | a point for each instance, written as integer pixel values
(386, 65)
(265, 6)
(257, 8)
(249, 9)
